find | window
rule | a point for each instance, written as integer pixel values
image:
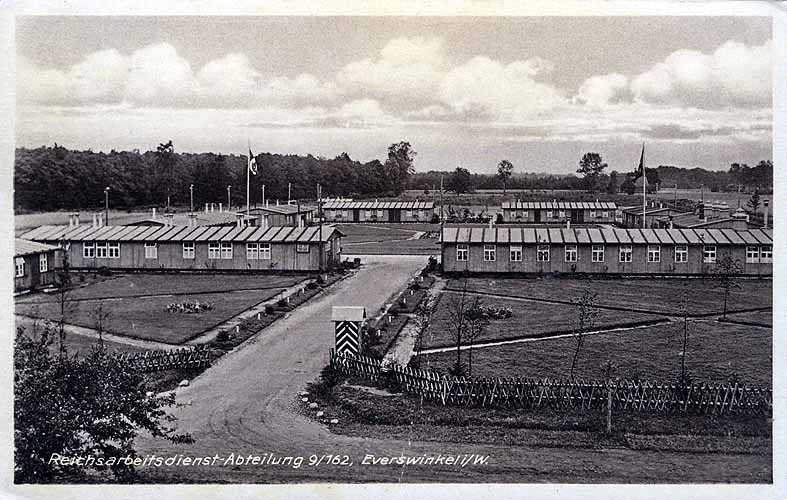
(462, 252)
(410, 213)
(681, 253)
(654, 253)
(88, 250)
(151, 250)
(549, 214)
(379, 213)
(709, 253)
(252, 251)
(489, 253)
(605, 214)
(542, 253)
(515, 253)
(302, 248)
(752, 255)
(597, 253)
(101, 250)
(20, 266)
(571, 253)
(213, 250)
(625, 253)
(524, 214)
(368, 214)
(519, 214)
(226, 250)
(562, 214)
(766, 253)
(43, 263)
(345, 214)
(592, 214)
(114, 250)
(188, 250)
(265, 251)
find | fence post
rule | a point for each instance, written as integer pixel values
(609, 407)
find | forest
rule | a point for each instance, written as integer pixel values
(56, 178)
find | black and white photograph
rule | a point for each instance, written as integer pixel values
(491, 249)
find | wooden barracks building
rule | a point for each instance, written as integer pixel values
(378, 211)
(559, 212)
(605, 250)
(194, 248)
(34, 264)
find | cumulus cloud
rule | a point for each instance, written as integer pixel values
(599, 91)
(733, 75)
(485, 87)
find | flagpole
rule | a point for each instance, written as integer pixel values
(248, 174)
(644, 180)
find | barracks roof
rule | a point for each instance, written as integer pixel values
(25, 247)
(607, 236)
(559, 205)
(182, 233)
(378, 205)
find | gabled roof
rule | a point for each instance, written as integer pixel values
(25, 247)
(560, 236)
(559, 205)
(378, 205)
(286, 234)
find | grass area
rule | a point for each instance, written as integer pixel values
(136, 285)
(756, 317)
(716, 352)
(529, 319)
(423, 246)
(660, 296)
(82, 344)
(360, 233)
(148, 318)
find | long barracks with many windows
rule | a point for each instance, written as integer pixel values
(604, 251)
(194, 248)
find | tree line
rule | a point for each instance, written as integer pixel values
(53, 178)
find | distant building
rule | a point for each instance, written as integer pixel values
(632, 216)
(190, 248)
(280, 215)
(530, 250)
(708, 215)
(34, 264)
(378, 211)
(558, 212)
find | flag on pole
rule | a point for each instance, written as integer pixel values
(642, 160)
(252, 163)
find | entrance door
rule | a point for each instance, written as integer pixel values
(356, 215)
(394, 215)
(576, 215)
(537, 216)
(580, 216)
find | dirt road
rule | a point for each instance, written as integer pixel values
(245, 405)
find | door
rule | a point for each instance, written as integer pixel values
(394, 215)
(356, 215)
(537, 216)
(576, 216)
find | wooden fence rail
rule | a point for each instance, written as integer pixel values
(696, 399)
(187, 357)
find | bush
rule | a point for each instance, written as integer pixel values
(269, 310)
(320, 280)
(223, 336)
(281, 303)
(311, 285)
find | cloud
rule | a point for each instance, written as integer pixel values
(734, 75)
(484, 87)
(599, 91)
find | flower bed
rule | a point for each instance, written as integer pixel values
(189, 307)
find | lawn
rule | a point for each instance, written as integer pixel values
(529, 319)
(716, 352)
(758, 317)
(360, 233)
(137, 285)
(659, 296)
(82, 344)
(147, 318)
(422, 246)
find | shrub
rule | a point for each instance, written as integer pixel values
(311, 285)
(320, 279)
(223, 336)
(269, 310)
(281, 303)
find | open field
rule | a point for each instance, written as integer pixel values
(655, 296)
(388, 239)
(140, 285)
(529, 319)
(362, 233)
(136, 304)
(716, 351)
(756, 317)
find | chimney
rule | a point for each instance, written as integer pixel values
(76, 219)
(95, 220)
(206, 208)
(170, 219)
(277, 202)
(491, 222)
(568, 223)
(239, 220)
(154, 213)
(671, 223)
(221, 208)
(192, 220)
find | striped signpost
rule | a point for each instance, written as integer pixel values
(347, 326)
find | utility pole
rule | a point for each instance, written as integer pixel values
(229, 198)
(191, 197)
(675, 197)
(289, 192)
(106, 205)
(319, 215)
(263, 195)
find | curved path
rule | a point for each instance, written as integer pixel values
(245, 404)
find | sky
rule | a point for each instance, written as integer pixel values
(464, 91)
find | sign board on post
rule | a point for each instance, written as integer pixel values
(348, 322)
